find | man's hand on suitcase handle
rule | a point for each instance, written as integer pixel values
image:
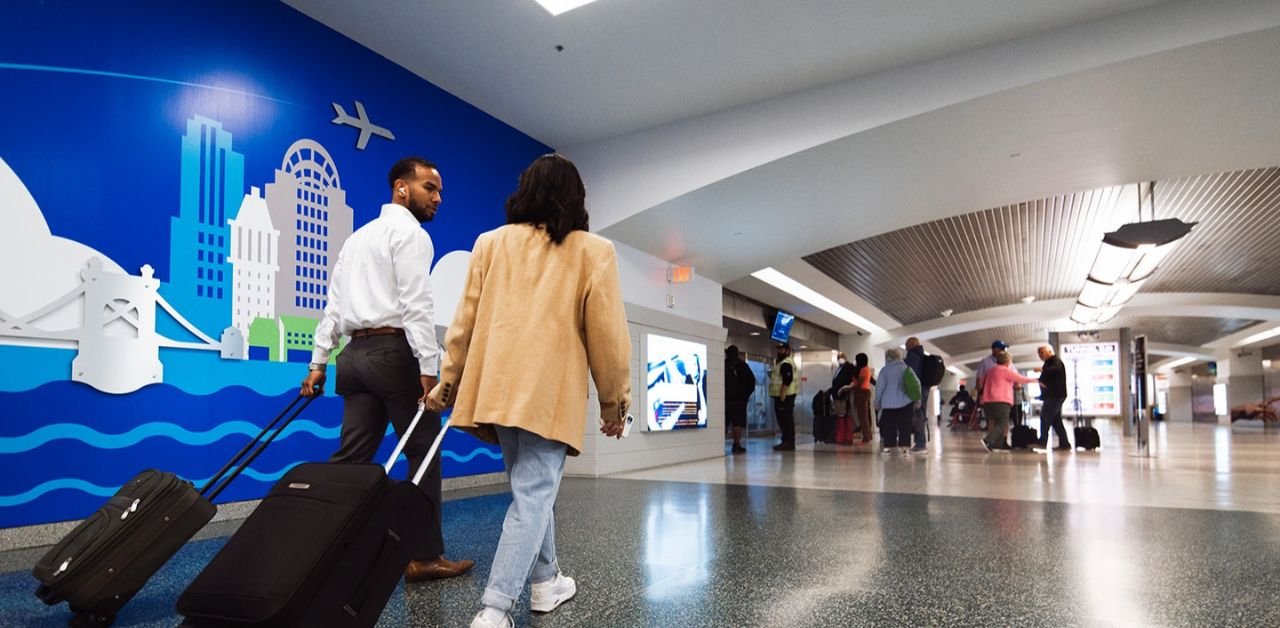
(313, 384)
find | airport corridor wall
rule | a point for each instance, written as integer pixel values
(176, 180)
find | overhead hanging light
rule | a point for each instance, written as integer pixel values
(1129, 255)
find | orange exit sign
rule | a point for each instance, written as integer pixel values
(679, 274)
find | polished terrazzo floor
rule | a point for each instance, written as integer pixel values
(830, 536)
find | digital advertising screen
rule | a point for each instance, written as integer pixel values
(676, 381)
(782, 326)
(1093, 378)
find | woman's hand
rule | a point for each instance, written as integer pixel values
(612, 429)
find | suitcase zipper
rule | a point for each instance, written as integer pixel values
(132, 508)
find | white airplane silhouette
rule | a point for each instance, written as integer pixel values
(361, 121)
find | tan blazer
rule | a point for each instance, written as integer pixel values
(534, 317)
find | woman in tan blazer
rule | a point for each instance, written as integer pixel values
(542, 307)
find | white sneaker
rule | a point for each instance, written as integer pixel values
(481, 621)
(546, 596)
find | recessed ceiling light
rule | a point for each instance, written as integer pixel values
(1029, 298)
(796, 289)
(556, 7)
(755, 333)
(947, 312)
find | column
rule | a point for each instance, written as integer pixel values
(1243, 377)
(1179, 401)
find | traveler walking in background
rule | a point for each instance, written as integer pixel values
(380, 296)
(739, 384)
(784, 383)
(542, 307)
(1053, 393)
(897, 398)
(997, 400)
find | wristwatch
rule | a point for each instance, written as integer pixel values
(316, 366)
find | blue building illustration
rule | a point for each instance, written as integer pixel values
(199, 241)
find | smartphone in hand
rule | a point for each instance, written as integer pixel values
(626, 425)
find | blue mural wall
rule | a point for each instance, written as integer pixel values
(175, 183)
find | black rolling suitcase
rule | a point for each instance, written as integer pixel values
(326, 548)
(102, 563)
(1086, 436)
(1022, 435)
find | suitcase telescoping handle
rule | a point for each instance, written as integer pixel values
(261, 446)
(431, 453)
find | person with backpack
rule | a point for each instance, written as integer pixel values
(739, 384)
(897, 399)
(841, 401)
(927, 369)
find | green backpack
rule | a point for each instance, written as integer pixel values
(911, 384)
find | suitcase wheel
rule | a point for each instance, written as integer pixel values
(85, 619)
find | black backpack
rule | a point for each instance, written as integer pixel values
(933, 370)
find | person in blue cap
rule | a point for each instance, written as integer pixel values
(989, 362)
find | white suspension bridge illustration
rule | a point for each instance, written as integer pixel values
(118, 344)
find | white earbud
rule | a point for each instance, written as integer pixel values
(402, 190)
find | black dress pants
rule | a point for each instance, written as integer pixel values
(784, 408)
(378, 378)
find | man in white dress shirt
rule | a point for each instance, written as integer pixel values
(380, 296)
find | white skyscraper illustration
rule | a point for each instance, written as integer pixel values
(309, 208)
(254, 258)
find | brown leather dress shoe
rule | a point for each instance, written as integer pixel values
(436, 568)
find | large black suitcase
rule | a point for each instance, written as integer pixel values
(325, 548)
(103, 562)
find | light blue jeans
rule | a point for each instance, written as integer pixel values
(527, 549)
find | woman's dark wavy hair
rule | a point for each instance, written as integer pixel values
(551, 196)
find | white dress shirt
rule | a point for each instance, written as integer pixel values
(383, 279)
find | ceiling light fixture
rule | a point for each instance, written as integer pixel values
(1179, 362)
(947, 312)
(796, 289)
(1029, 299)
(556, 7)
(1262, 335)
(1127, 258)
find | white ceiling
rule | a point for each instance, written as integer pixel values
(733, 135)
(633, 64)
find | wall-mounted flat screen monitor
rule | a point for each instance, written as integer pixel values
(782, 326)
(676, 379)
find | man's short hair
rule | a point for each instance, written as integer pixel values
(893, 354)
(406, 168)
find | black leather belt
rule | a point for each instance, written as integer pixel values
(377, 331)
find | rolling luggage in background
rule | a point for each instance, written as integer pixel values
(1023, 436)
(1086, 437)
(326, 548)
(102, 563)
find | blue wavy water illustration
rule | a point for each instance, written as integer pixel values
(66, 446)
(100, 440)
(89, 488)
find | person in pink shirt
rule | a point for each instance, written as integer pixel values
(997, 400)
